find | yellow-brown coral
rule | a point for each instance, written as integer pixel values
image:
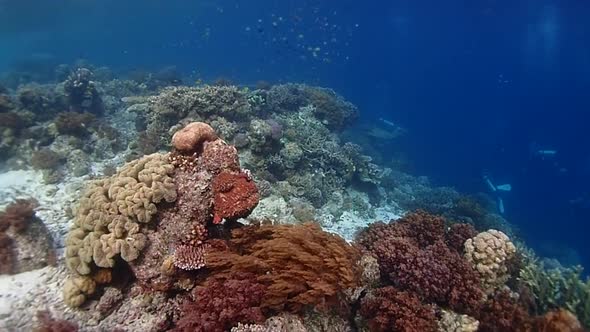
(76, 289)
(112, 212)
(489, 252)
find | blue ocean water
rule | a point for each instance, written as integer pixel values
(481, 87)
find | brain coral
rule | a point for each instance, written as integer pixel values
(111, 213)
(489, 252)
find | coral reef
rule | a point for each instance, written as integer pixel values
(183, 241)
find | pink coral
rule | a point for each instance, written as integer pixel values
(190, 138)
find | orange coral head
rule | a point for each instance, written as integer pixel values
(190, 138)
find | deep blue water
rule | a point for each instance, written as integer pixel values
(479, 85)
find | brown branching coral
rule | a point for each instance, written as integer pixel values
(458, 234)
(302, 265)
(504, 312)
(18, 215)
(414, 256)
(222, 303)
(419, 227)
(388, 309)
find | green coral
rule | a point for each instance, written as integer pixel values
(112, 211)
(557, 288)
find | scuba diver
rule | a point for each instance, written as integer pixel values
(497, 190)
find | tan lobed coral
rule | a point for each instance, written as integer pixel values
(489, 253)
(111, 214)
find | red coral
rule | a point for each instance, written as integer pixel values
(222, 303)
(458, 234)
(413, 256)
(504, 312)
(420, 227)
(235, 196)
(388, 309)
